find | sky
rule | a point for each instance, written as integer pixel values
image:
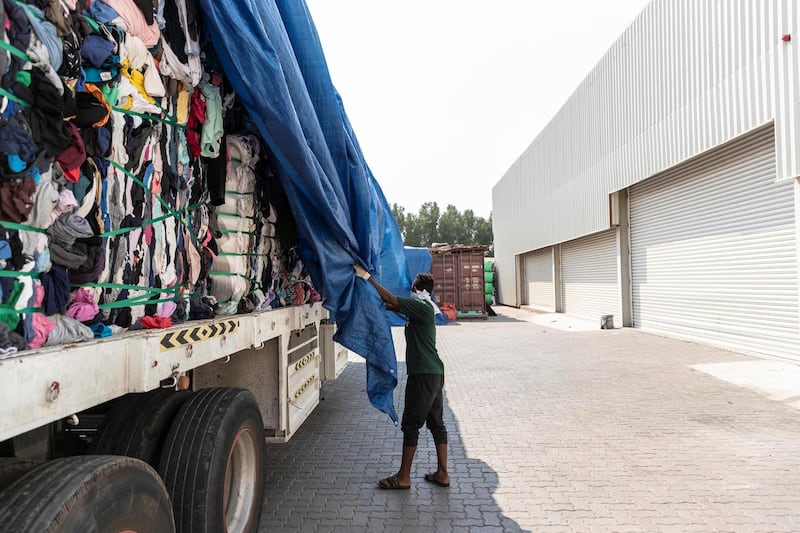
(444, 95)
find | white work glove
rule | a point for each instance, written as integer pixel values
(360, 272)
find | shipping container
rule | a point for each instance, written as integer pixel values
(458, 276)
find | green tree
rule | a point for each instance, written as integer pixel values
(408, 225)
(483, 231)
(468, 221)
(452, 229)
(428, 223)
(399, 214)
(412, 233)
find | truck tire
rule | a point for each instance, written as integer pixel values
(138, 424)
(213, 463)
(92, 494)
(11, 469)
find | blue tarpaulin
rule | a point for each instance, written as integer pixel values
(271, 54)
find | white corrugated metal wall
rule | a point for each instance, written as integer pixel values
(539, 280)
(590, 277)
(714, 251)
(686, 76)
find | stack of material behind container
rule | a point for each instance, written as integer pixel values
(459, 278)
(488, 280)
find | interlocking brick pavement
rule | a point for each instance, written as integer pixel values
(550, 430)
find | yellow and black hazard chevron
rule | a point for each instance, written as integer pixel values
(176, 339)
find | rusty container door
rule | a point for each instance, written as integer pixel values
(472, 300)
(444, 270)
(458, 279)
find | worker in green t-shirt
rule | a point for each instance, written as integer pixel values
(424, 402)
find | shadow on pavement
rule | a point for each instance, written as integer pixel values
(325, 477)
(503, 319)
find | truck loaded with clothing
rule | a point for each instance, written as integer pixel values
(182, 199)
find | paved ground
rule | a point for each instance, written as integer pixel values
(555, 427)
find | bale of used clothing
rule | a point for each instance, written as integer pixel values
(232, 275)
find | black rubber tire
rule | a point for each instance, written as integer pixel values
(90, 494)
(11, 469)
(138, 424)
(202, 458)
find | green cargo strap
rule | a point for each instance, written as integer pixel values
(152, 221)
(246, 193)
(15, 51)
(20, 227)
(142, 299)
(25, 311)
(18, 273)
(141, 184)
(124, 286)
(157, 196)
(14, 98)
(170, 120)
(166, 114)
(133, 302)
(237, 231)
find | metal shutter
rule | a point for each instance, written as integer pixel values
(539, 279)
(714, 251)
(590, 277)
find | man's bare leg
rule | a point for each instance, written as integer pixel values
(440, 477)
(402, 479)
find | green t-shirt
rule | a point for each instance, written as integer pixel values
(421, 354)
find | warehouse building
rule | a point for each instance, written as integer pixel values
(665, 192)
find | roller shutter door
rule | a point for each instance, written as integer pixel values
(589, 277)
(539, 279)
(714, 251)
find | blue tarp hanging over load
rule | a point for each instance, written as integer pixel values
(271, 53)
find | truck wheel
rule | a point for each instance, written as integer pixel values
(11, 469)
(138, 424)
(213, 463)
(93, 494)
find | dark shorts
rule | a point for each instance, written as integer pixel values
(424, 405)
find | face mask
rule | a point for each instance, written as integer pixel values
(425, 295)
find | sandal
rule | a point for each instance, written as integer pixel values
(391, 483)
(432, 479)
